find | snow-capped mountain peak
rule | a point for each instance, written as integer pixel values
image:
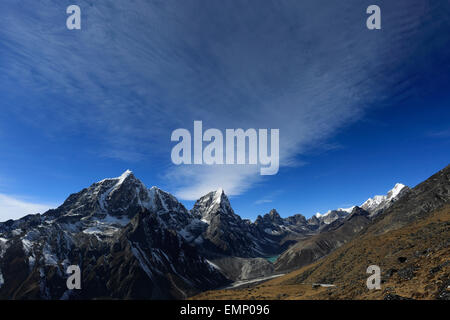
(218, 195)
(320, 215)
(121, 193)
(212, 204)
(348, 210)
(220, 190)
(120, 179)
(380, 202)
(162, 201)
(333, 215)
(396, 190)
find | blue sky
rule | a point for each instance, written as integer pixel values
(358, 110)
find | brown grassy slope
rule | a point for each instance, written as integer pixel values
(425, 243)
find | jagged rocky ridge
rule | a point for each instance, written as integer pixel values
(134, 242)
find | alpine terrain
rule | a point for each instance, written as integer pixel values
(134, 242)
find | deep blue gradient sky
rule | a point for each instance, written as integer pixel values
(358, 110)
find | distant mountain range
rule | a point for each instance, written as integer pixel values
(132, 242)
(409, 239)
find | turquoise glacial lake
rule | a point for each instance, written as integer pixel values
(272, 259)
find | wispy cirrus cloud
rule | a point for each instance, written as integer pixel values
(192, 182)
(440, 134)
(138, 70)
(262, 201)
(268, 198)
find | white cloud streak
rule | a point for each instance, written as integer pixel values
(197, 180)
(12, 207)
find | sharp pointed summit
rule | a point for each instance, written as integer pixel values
(212, 204)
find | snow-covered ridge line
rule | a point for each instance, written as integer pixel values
(348, 210)
(371, 204)
(120, 178)
(394, 192)
(380, 202)
(157, 196)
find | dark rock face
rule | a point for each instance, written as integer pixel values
(165, 264)
(270, 219)
(407, 273)
(297, 219)
(444, 291)
(391, 272)
(314, 222)
(402, 259)
(226, 233)
(439, 267)
(272, 223)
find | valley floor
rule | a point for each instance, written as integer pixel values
(239, 284)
